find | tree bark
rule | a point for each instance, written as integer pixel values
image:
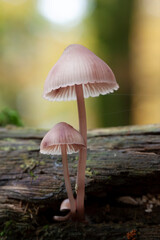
(122, 185)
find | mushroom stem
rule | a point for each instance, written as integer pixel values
(82, 153)
(67, 181)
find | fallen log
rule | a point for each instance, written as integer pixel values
(122, 185)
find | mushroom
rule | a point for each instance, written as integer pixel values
(63, 139)
(65, 205)
(78, 74)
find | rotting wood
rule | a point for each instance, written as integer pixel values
(122, 161)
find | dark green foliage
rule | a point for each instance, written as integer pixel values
(9, 116)
(112, 20)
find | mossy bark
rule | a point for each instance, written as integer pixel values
(121, 161)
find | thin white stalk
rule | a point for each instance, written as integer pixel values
(67, 181)
(82, 153)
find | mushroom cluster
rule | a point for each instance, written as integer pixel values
(78, 74)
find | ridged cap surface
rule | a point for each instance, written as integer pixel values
(78, 65)
(61, 134)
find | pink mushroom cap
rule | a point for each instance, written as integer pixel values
(62, 134)
(65, 205)
(78, 66)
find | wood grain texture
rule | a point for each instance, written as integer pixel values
(122, 161)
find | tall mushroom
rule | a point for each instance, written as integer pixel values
(63, 139)
(78, 74)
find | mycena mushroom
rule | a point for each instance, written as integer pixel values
(78, 74)
(63, 139)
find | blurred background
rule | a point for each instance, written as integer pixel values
(124, 33)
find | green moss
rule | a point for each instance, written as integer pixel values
(29, 148)
(88, 172)
(45, 227)
(6, 231)
(109, 178)
(75, 165)
(76, 158)
(5, 148)
(42, 162)
(9, 139)
(19, 148)
(13, 148)
(28, 166)
(96, 172)
(32, 175)
(29, 163)
(10, 116)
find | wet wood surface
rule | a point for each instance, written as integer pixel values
(122, 185)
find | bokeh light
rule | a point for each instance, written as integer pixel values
(62, 12)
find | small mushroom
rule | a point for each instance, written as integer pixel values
(78, 74)
(65, 205)
(63, 139)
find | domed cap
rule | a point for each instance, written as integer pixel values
(61, 134)
(78, 65)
